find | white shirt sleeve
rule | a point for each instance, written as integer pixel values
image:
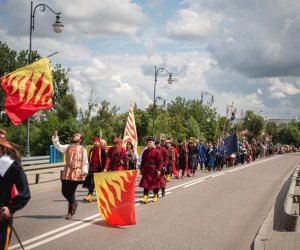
(85, 163)
(58, 146)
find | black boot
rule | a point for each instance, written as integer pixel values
(74, 207)
(163, 192)
(69, 216)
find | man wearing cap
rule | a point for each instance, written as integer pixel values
(165, 158)
(192, 152)
(151, 167)
(181, 149)
(75, 170)
(202, 149)
(11, 175)
(97, 158)
(116, 157)
(173, 155)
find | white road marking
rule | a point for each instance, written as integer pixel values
(216, 175)
(196, 182)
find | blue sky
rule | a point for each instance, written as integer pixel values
(240, 51)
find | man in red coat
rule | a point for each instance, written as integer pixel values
(165, 158)
(97, 159)
(151, 167)
(173, 155)
(116, 157)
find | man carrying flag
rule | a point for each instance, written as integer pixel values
(28, 90)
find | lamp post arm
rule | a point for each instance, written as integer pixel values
(43, 9)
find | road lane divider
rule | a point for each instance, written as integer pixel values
(196, 182)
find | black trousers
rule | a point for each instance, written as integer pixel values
(5, 234)
(68, 190)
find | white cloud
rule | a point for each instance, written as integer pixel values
(192, 24)
(285, 88)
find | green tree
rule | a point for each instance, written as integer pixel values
(289, 135)
(68, 108)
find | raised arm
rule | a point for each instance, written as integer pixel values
(56, 143)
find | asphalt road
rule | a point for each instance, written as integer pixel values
(218, 210)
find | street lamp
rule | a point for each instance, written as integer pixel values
(170, 81)
(232, 117)
(258, 112)
(57, 27)
(208, 104)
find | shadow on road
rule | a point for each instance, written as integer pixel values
(41, 217)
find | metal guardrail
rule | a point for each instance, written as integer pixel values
(38, 163)
(35, 160)
(292, 202)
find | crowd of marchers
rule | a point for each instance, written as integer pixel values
(160, 161)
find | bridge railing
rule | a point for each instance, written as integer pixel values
(292, 203)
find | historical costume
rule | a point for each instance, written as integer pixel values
(165, 160)
(201, 158)
(117, 157)
(192, 152)
(173, 155)
(151, 167)
(75, 170)
(12, 177)
(220, 156)
(131, 155)
(210, 156)
(97, 159)
(182, 155)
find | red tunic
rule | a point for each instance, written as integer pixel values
(94, 159)
(117, 159)
(151, 163)
(165, 157)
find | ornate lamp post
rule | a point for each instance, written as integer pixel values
(57, 27)
(170, 81)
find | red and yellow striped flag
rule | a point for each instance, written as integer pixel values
(28, 90)
(116, 196)
(130, 134)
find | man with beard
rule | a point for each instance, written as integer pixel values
(75, 170)
(97, 158)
